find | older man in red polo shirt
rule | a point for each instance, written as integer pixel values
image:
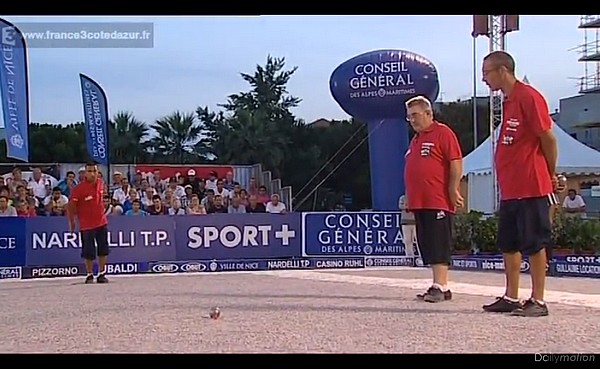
(432, 174)
(86, 204)
(525, 158)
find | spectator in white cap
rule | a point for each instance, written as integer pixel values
(81, 174)
(193, 181)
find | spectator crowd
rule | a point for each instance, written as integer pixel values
(144, 195)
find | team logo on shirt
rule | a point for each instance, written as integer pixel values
(426, 148)
(507, 140)
(512, 124)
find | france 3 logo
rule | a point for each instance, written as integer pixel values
(10, 273)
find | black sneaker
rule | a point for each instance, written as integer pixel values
(447, 294)
(502, 305)
(101, 279)
(89, 279)
(531, 308)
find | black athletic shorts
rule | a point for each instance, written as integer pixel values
(524, 225)
(434, 236)
(94, 242)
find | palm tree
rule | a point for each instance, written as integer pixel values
(176, 137)
(127, 139)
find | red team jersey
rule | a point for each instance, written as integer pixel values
(427, 169)
(520, 163)
(87, 197)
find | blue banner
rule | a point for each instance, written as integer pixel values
(238, 236)
(95, 111)
(486, 263)
(352, 234)
(240, 265)
(14, 91)
(12, 241)
(43, 247)
(576, 266)
(131, 239)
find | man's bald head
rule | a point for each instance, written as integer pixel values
(500, 59)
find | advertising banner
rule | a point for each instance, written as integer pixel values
(14, 91)
(12, 241)
(131, 240)
(486, 263)
(240, 265)
(43, 247)
(95, 112)
(576, 266)
(352, 234)
(238, 236)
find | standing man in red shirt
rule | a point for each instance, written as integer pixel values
(86, 204)
(432, 174)
(525, 158)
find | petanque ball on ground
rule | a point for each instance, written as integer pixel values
(215, 313)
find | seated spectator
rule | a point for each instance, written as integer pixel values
(244, 197)
(67, 184)
(573, 205)
(254, 206)
(229, 183)
(236, 207)
(21, 194)
(168, 197)
(122, 191)
(131, 197)
(108, 206)
(253, 186)
(146, 199)
(24, 210)
(217, 206)
(56, 203)
(176, 208)
(136, 209)
(15, 180)
(223, 192)
(5, 209)
(263, 196)
(187, 199)
(196, 207)
(176, 189)
(275, 206)
(157, 207)
(209, 199)
(5, 191)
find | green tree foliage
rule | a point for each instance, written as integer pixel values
(323, 162)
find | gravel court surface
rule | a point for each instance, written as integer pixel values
(277, 312)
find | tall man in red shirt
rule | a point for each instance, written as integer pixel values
(525, 159)
(432, 174)
(86, 204)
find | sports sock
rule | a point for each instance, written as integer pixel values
(443, 288)
(510, 299)
(539, 301)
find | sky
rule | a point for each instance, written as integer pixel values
(197, 61)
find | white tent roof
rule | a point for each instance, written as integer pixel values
(574, 157)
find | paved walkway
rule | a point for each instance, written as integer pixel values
(342, 311)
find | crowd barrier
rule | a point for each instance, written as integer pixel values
(43, 246)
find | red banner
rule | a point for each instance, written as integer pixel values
(202, 171)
